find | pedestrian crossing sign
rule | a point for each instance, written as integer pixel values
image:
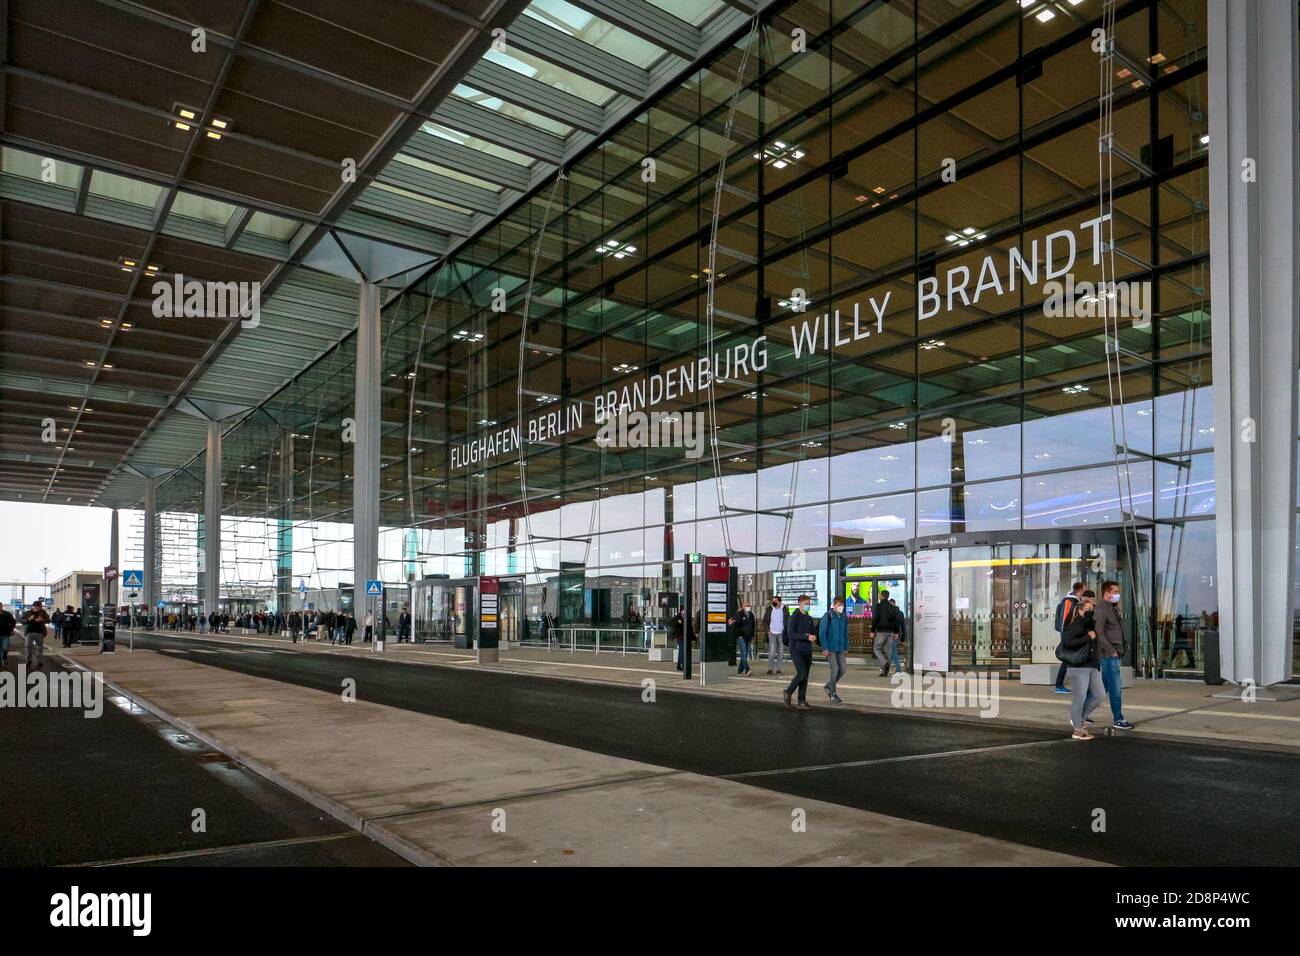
(374, 588)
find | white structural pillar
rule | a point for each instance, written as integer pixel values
(1253, 266)
(212, 521)
(365, 451)
(112, 590)
(150, 590)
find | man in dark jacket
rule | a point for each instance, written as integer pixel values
(886, 622)
(1110, 650)
(404, 625)
(744, 624)
(7, 625)
(34, 622)
(802, 636)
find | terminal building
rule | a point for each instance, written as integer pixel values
(962, 300)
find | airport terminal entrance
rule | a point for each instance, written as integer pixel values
(983, 599)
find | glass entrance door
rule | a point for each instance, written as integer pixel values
(1004, 597)
(864, 580)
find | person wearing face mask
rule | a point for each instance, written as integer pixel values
(1078, 652)
(744, 625)
(833, 635)
(778, 626)
(802, 633)
(1110, 646)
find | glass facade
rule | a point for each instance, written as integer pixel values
(883, 362)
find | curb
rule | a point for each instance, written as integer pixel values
(377, 832)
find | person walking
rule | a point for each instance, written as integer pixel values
(833, 635)
(7, 625)
(1064, 614)
(72, 625)
(369, 633)
(802, 635)
(744, 625)
(1110, 646)
(347, 627)
(404, 625)
(34, 622)
(778, 625)
(886, 620)
(677, 632)
(1078, 651)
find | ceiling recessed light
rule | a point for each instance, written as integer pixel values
(1045, 14)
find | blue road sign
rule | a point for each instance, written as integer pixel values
(302, 587)
(132, 579)
(162, 604)
(374, 588)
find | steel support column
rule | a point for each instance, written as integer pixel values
(150, 544)
(366, 449)
(212, 521)
(1253, 221)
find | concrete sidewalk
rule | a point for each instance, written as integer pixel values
(1170, 708)
(442, 791)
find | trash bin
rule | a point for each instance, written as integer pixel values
(1210, 656)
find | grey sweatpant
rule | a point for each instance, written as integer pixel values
(774, 652)
(882, 646)
(1087, 690)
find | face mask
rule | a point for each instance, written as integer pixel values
(804, 608)
(746, 609)
(1114, 598)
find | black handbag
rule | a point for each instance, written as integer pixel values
(1074, 656)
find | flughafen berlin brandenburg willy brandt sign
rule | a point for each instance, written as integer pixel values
(824, 332)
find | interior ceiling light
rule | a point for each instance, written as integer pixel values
(779, 155)
(465, 335)
(878, 190)
(965, 236)
(1045, 14)
(615, 248)
(696, 275)
(861, 198)
(1075, 389)
(623, 368)
(933, 344)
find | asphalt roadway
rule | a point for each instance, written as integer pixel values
(122, 789)
(1164, 803)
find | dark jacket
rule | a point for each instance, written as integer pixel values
(7, 623)
(34, 621)
(1075, 635)
(801, 629)
(785, 619)
(886, 619)
(1110, 630)
(745, 624)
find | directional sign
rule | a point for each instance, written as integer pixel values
(374, 588)
(302, 587)
(132, 579)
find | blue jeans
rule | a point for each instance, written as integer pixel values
(1111, 680)
(746, 650)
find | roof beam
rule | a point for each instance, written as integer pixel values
(647, 22)
(533, 36)
(426, 182)
(496, 128)
(436, 149)
(541, 98)
(413, 211)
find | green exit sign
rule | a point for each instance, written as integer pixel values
(695, 557)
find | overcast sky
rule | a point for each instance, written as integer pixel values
(63, 538)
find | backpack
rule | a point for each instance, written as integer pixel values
(1063, 611)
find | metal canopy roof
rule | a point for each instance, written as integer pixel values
(117, 173)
